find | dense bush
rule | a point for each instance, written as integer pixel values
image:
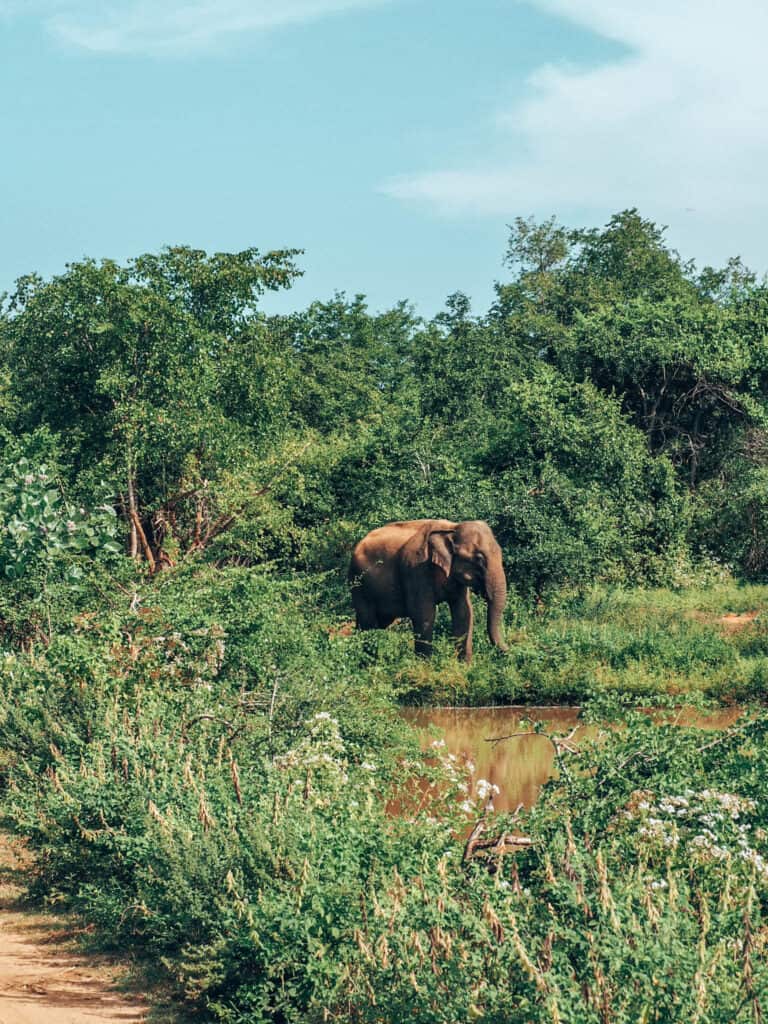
(252, 853)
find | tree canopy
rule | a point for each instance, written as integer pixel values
(597, 414)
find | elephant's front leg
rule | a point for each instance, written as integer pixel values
(423, 619)
(461, 623)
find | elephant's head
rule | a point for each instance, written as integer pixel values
(470, 554)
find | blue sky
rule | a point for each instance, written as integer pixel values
(393, 140)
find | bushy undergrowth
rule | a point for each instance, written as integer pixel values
(219, 797)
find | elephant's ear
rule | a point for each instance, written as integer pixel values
(441, 549)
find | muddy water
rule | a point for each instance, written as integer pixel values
(519, 766)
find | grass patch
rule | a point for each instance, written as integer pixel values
(709, 641)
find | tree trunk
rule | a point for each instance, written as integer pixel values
(132, 516)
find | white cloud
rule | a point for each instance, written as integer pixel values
(169, 26)
(679, 127)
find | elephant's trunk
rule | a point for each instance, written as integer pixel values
(496, 593)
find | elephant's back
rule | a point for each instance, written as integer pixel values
(390, 537)
(379, 546)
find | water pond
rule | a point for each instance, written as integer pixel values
(521, 765)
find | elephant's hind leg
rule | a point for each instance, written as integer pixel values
(370, 618)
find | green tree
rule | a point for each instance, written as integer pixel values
(163, 379)
(684, 352)
(572, 489)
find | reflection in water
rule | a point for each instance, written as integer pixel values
(519, 766)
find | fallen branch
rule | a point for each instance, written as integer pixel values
(561, 743)
(493, 848)
(735, 730)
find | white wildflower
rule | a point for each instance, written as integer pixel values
(486, 789)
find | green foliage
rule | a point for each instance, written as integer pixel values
(51, 550)
(610, 389)
(731, 517)
(684, 354)
(161, 377)
(253, 855)
(576, 493)
(209, 765)
(39, 527)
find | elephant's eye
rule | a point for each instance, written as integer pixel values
(480, 558)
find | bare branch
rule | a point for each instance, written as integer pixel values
(144, 542)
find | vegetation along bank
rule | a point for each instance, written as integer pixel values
(199, 751)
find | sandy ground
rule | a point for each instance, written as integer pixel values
(734, 622)
(44, 979)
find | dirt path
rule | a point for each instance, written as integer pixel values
(732, 622)
(44, 979)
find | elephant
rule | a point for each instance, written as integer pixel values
(406, 569)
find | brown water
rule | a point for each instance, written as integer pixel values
(520, 766)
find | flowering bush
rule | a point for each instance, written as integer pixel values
(700, 827)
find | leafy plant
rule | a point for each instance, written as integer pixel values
(39, 526)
